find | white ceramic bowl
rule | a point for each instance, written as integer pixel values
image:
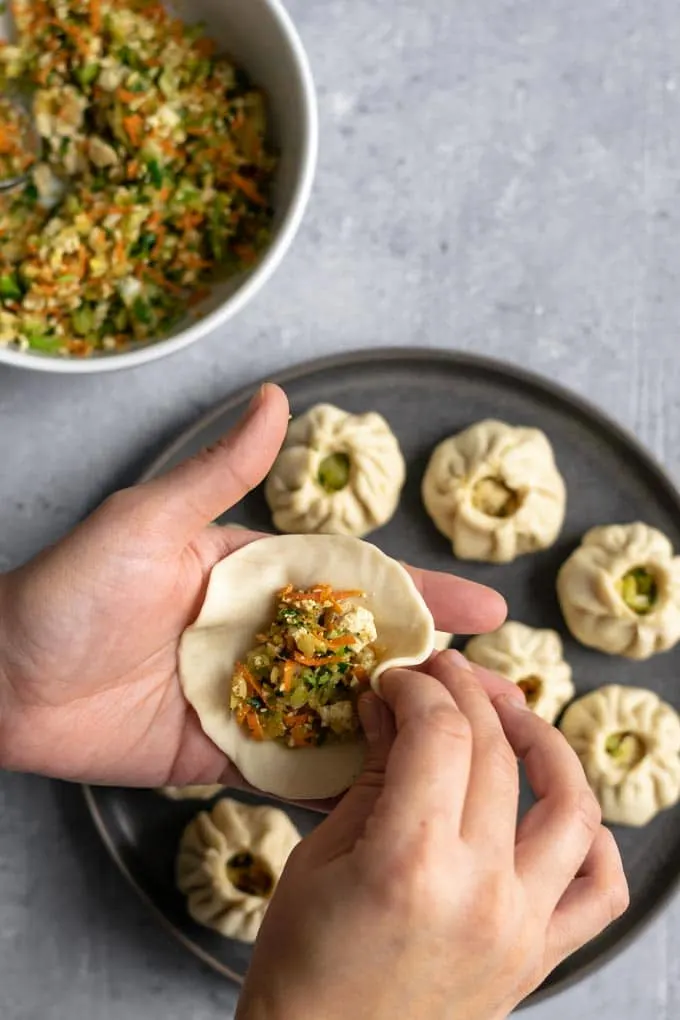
(260, 36)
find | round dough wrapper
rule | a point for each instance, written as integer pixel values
(337, 473)
(442, 640)
(532, 658)
(591, 586)
(197, 792)
(239, 603)
(628, 741)
(212, 854)
(494, 490)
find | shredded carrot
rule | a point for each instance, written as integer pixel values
(119, 251)
(249, 189)
(255, 726)
(127, 97)
(251, 681)
(75, 34)
(134, 126)
(361, 674)
(325, 660)
(340, 642)
(162, 281)
(96, 16)
(301, 737)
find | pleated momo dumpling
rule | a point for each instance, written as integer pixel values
(494, 490)
(291, 630)
(337, 473)
(531, 658)
(628, 741)
(620, 591)
(229, 863)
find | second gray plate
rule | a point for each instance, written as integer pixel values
(425, 396)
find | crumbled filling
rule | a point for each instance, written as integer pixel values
(639, 590)
(334, 471)
(493, 497)
(15, 152)
(250, 875)
(155, 175)
(532, 687)
(301, 682)
(627, 749)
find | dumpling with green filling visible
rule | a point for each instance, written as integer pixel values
(628, 741)
(620, 591)
(337, 474)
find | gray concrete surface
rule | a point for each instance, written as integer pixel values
(495, 175)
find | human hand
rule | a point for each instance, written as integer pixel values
(419, 896)
(89, 629)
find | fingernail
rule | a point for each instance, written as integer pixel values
(370, 715)
(458, 659)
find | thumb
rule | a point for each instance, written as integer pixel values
(346, 823)
(197, 491)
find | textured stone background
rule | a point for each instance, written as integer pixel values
(495, 175)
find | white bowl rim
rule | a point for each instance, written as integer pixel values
(269, 263)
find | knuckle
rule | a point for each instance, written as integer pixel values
(449, 722)
(408, 879)
(613, 882)
(501, 757)
(580, 806)
(619, 898)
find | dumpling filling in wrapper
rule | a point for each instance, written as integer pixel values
(301, 682)
(292, 630)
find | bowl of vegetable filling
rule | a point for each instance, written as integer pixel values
(155, 163)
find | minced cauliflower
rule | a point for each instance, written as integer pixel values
(154, 175)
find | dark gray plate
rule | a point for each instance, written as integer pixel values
(427, 395)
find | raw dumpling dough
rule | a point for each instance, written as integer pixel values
(190, 792)
(620, 591)
(628, 741)
(337, 474)
(238, 604)
(442, 640)
(229, 863)
(533, 659)
(494, 490)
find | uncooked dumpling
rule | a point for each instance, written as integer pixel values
(206, 792)
(620, 591)
(531, 658)
(494, 490)
(337, 473)
(229, 863)
(242, 594)
(628, 741)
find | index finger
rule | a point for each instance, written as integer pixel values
(427, 772)
(458, 605)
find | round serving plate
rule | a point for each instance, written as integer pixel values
(425, 396)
